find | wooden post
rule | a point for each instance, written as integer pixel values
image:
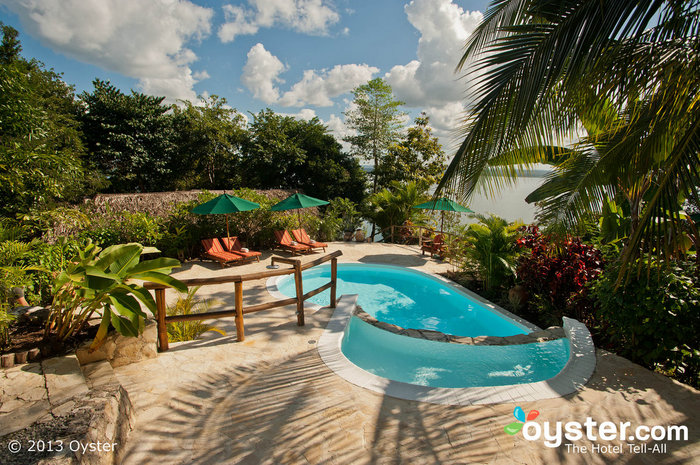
(392, 233)
(300, 293)
(240, 332)
(162, 328)
(420, 237)
(334, 279)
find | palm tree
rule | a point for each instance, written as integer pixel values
(619, 79)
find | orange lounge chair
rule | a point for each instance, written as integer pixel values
(233, 245)
(434, 247)
(213, 250)
(302, 237)
(284, 241)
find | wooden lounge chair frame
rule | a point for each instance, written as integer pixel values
(434, 246)
(214, 251)
(302, 237)
(233, 245)
(284, 241)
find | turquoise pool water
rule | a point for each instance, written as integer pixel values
(439, 364)
(409, 299)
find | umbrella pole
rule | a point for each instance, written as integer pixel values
(442, 224)
(228, 236)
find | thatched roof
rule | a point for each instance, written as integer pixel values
(160, 203)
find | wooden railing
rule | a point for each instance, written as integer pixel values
(393, 231)
(162, 319)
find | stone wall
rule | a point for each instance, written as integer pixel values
(121, 350)
(549, 334)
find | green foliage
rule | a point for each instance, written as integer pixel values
(340, 215)
(40, 147)
(394, 206)
(188, 304)
(623, 71)
(287, 153)
(208, 137)
(129, 138)
(653, 319)
(112, 228)
(418, 156)
(104, 283)
(490, 247)
(6, 319)
(376, 119)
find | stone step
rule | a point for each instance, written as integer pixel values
(64, 381)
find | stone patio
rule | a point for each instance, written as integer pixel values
(271, 399)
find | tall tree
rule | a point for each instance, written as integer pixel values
(208, 138)
(129, 138)
(624, 71)
(40, 146)
(284, 152)
(377, 120)
(418, 156)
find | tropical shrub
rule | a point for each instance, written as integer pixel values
(394, 206)
(103, 282)
(556, 275)
(6, 320)
(188, 304)
(490, 247)
(653, 318)
(112, 228)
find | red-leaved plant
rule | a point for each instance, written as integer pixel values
(556, 274)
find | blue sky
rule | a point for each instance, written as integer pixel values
(298, 57)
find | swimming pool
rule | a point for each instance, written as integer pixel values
(411, 299)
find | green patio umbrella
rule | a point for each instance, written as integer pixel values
(297, 202)
(444, 205)
(223, 205)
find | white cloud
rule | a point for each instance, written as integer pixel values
(318, 88)
(306, 16)
(430, 81)
(261, 73)
(145, 40)
(261, 76)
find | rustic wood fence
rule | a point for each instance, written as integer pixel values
(297, 267)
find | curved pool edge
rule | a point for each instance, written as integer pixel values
(272, 288)
(571, 378)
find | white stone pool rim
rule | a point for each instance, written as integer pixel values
(571, 378)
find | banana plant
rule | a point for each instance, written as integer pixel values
(105, 283)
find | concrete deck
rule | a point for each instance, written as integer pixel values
(271, 399)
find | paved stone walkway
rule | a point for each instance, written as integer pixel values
(271, 400)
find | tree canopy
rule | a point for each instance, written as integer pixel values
(40, 145)
(619, 79)
(377, 120)
(128, 137)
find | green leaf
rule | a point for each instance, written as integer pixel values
(124, 326)
(144, 296)
(513, 428)
(159, 264)
(126, 305)
(161, 278)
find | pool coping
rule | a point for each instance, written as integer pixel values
(571, 378)
(271, 285)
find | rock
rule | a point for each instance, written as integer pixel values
(31, 314)
(433, 335)
(121, 350)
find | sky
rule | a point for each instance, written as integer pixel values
(297, 57)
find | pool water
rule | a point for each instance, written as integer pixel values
(408, 299)
(439, 364)
(412, 299)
